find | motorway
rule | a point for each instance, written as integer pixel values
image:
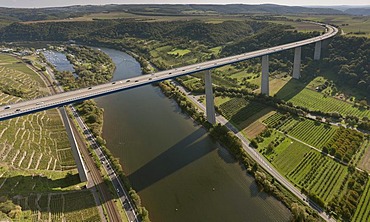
(36, 105)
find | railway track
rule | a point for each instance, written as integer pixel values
(107, 199)
(96, 176)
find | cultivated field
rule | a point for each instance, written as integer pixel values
(239, 110)
(307, 168)
(363, 211)
(318, 102)
(70, 206)
(308, 131)
(36, 141)
(35, 155)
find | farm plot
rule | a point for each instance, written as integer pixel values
(319, 175)
(21, 182)
(275, 120)
(290, 157)
(316, 101)
(70, 206)
(313, 133)
(77, 210)
(36, 141)
(238, 110)
(363, 211)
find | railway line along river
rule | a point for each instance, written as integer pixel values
(180, 173)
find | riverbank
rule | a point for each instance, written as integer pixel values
(173, 163)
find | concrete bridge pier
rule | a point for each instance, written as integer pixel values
(82, 172)
(210, 106)
(297, 63)
(265, 75)
(317, 53)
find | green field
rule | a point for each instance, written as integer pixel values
(349, 23)
(363, 211)
(35, 154)
(238, 110)
(311, 132)
(318, 102)
(70, 206)
(179, 52)
(305, 167)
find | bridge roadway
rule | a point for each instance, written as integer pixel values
(57, 100)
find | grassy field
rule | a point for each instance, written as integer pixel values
(300, 96)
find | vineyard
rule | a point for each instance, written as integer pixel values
(363, 211)
(314, 133)
(290, 157)
(319, 175)
(36, 141)
(311, 132)
(71, 206)
(317, 101)
(309, 169)
(275, 120)
(237, 110)
(35, 154)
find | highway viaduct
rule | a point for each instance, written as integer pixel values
(57, 100)
(31, 106)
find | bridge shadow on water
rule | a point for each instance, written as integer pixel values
(191, 148)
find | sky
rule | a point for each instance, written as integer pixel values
(56, 3)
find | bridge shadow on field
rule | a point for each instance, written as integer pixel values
(289, 90)
(184, 152)
(45, 195)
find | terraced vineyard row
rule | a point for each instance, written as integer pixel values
(313, 133)
(238, 110)
(363, 211)
(232, 107)
(36, 141)
(317, 101)
(319, 175)
(274, 120)
(288, 159)
(71, 206)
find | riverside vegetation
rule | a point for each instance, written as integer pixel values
(94, 67)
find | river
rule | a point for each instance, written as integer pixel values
(180, 173)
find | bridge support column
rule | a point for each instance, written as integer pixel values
(265, 75)
(297, 63)
(82, 172)
(210, 106)
(317, 53)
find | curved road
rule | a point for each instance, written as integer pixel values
(36, 105)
